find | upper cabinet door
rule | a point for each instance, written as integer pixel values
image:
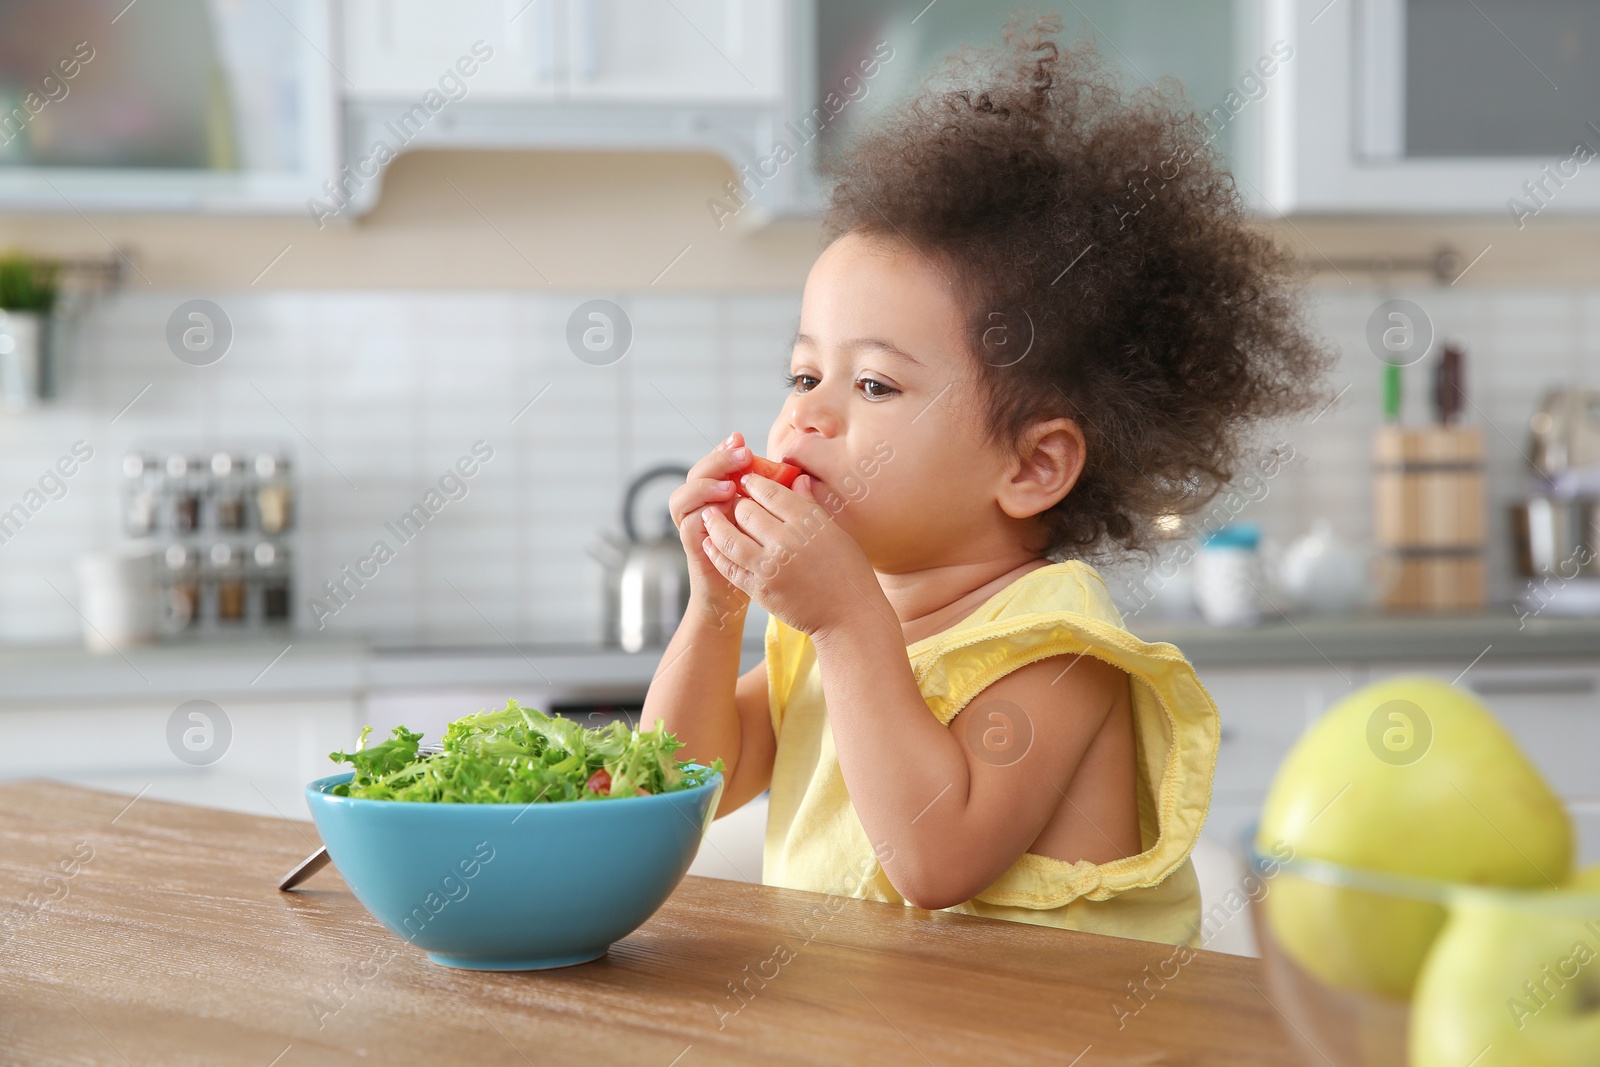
(1435, 106)
(622, 51)
(182, 105)
(488, 49)
(870, 56)
(717, 51)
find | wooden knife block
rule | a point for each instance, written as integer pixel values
(1429, 516)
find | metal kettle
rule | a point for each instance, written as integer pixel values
(647, 580)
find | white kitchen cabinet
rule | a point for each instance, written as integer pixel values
(1264, 711)
(276, 746)
(1424, 106)
(633, 75)
(496, 49)
(616, 51)
(703, 50)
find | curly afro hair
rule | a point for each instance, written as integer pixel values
(1099, 232)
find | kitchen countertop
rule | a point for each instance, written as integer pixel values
(1380, 639)
(304, 665)
(171, 944)
(313, 665)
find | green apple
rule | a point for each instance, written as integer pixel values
(1408, 776)
(1513, 983)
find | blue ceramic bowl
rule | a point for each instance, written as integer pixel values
(513, 887)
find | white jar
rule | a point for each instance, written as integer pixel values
(1229, 576)
(122, 601)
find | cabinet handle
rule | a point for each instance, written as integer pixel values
(1571, 685)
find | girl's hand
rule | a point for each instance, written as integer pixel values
(782, 549)
(710, 485)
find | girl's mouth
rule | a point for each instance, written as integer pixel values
(791, 461)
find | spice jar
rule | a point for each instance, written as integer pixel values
(227, 494)
(183, 496)
(270, 584)
(183, 580)
(230, 587)
(142, 495)
(274, 494)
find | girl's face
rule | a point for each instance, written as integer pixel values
(886, 414)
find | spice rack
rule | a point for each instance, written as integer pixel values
(223, 523)
(1429, 516)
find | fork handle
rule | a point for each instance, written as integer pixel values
(319, 859)
(309, 866)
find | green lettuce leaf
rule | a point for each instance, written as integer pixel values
(519, 755)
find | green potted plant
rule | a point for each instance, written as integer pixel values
(28, 292)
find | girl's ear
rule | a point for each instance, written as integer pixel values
(1049, 459)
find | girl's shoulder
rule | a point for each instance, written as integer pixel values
(1068, 588)
(1071, 588)
(1063, 609)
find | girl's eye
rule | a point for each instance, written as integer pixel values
(801, 382)
(873, 389)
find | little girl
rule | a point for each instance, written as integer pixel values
(1042, 324)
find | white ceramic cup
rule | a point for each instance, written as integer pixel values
(1226, 585)
(122, 601)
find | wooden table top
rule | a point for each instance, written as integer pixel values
(154, 933)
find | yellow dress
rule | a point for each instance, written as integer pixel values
(815, 841)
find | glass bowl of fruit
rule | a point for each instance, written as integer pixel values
(1371, 968)
(1416, 894)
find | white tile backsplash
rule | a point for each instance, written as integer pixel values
(386, 389)
(376, 395)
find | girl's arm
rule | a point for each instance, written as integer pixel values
(944, 815)
(698, 695)
(956, 805)
(696, 690)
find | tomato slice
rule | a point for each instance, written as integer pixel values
(782, 473)
(600, 782)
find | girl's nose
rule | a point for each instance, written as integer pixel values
(814, 412)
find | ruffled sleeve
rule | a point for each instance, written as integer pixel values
(1176, 730)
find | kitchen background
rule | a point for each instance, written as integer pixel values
(387, 317)
(376, 394)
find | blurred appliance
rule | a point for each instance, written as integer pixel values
(1556, 536)
(221, 525)
(1556, 547)
(647, 578)
(1555, 530)
(1566, 440)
